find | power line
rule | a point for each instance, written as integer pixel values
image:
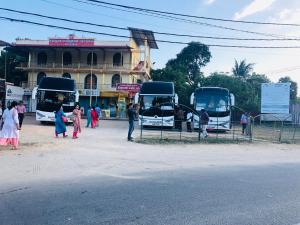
(155, 14)
(156, 32)
(123, 36)
(194, 16)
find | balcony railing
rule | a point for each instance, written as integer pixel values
(78, 66)
(83, 88)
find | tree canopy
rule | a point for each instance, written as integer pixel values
(185, 70)
(242, 69)
(294, 87)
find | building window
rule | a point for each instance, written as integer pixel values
(116, 79)
(89, 58)
(67, 58)
(90, 80)
(39, 77)
(66, 75)
(42, 58)
(117, 59)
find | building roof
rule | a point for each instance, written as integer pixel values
(71, 42)
(140, 35)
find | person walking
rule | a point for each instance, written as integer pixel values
(95, 117)
(88, 117)
(76, 121)
(189, 119)
(244, 122)
(9, 134)
(60, 120)
(98, 110)
(132, 114)
(204, 119)
(21, 112)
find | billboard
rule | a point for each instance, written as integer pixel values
(129, 87)
(275, 98)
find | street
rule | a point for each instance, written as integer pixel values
(103, 179)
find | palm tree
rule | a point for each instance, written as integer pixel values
(242, 69)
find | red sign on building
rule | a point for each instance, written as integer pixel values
(129, 87)
(73, 42)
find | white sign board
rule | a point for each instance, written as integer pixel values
(89, 92)
(14, 93)
(275, 98)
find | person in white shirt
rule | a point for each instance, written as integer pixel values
(189, 119)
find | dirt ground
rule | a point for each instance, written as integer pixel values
(105, 151)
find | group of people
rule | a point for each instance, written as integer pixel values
(61, 120)
(11, 120)
(94, 114)
(204, 119)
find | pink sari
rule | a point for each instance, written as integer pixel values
(76, 120)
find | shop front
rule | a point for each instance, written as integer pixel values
(113, 104)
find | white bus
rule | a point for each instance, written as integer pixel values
(157, 101)
(50, 94)
(217, 102)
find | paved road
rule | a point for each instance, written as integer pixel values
(232, 195)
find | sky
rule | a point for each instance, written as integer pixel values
(275, 63)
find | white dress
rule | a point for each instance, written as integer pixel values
(10, 133)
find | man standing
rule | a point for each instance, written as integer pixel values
(189, 119)
(244, 121)
(204, 118)
(21, 111)
(98, 110)
(132, 114)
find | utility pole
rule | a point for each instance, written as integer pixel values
(5, 62)
(91, 80)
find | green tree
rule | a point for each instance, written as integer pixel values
(12, 59)
(242, 69)
(185, 70)
(294, 87)
(246, 92)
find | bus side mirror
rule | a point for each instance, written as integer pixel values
(176, 99)
(192, 99)
(232, 99)
(136, 98)
(34, 92)
(77, 96)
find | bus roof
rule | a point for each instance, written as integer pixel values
(157, 88)
(57, 83)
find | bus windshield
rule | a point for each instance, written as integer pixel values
(49, 101)
(212, 102)
(164, 102)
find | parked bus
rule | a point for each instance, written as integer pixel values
(50, 94)
(157, 102)
(217, 102)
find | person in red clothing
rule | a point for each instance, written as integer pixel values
(95, 117)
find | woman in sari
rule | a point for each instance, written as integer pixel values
(76, 121)
(95, 117)
(9, 134)
(60, 126)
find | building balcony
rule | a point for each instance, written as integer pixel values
(84, 89)
(81, 68)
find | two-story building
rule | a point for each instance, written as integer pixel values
(97, 66)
